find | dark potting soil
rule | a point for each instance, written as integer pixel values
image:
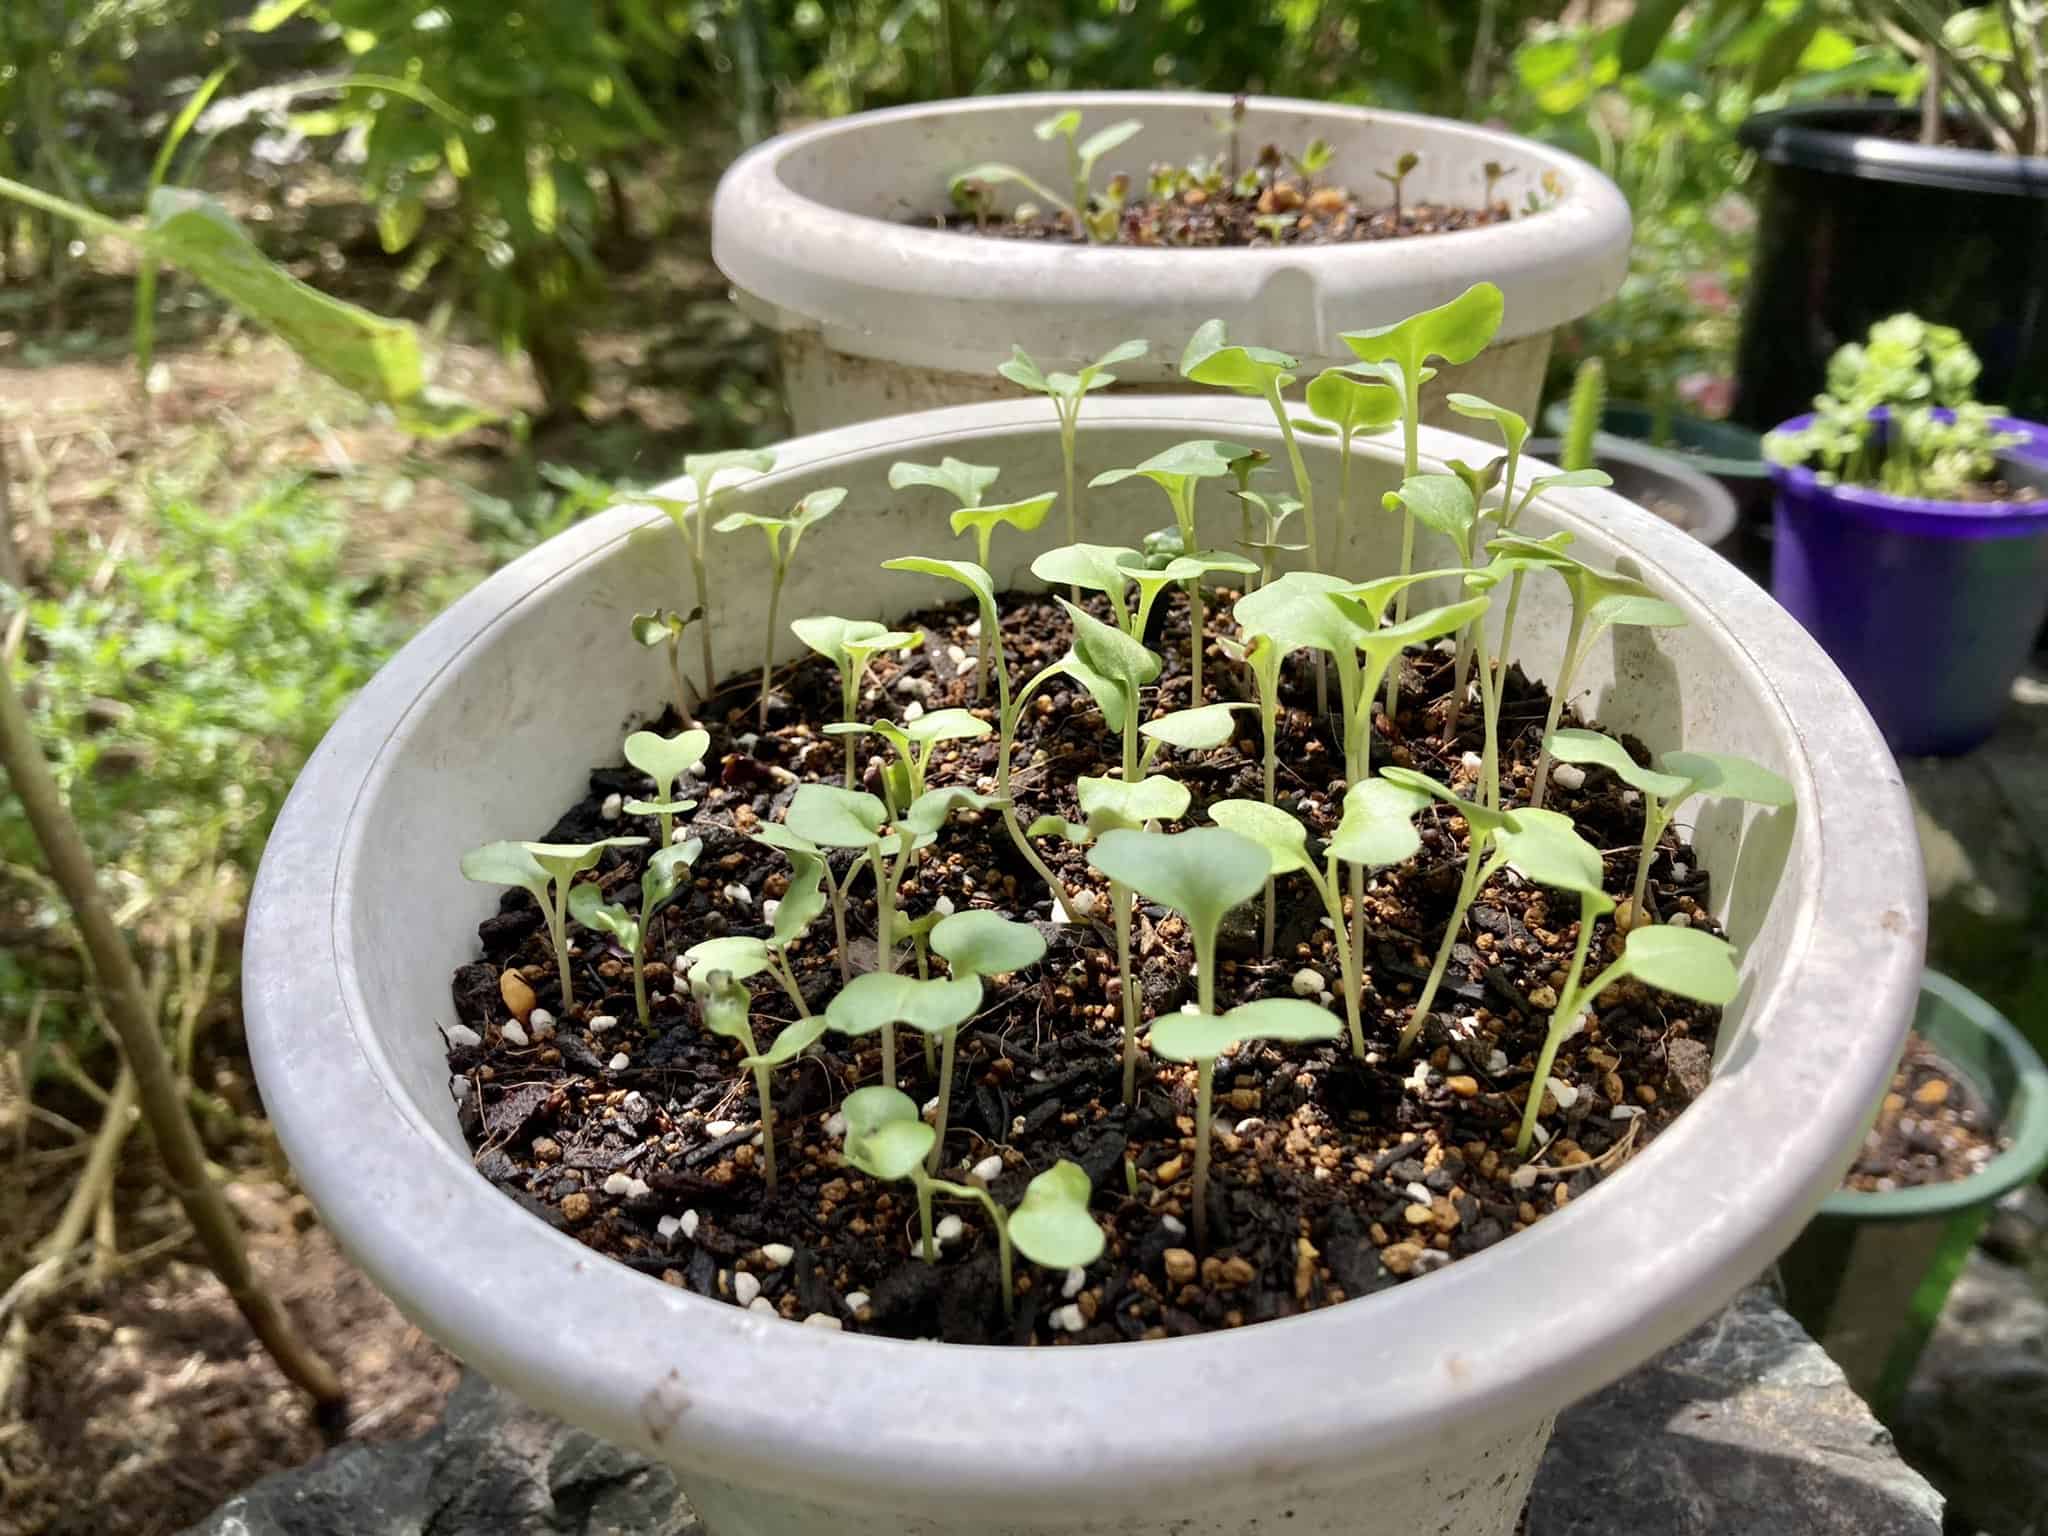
(1332, 1178)
(1284, 210)
(1934, 1127)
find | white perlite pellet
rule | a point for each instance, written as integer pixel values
(600, 1022)
(823, 1320)
(950, 1229)
(777, 1255)
(1075, 1283)
(745, 1287)
(613, 808)
(1568, 776)
(617, 1184)
(1069, 1319)
(514, 1035)
(856, 1301)
(1309, 983)
(668, 1227)
(540, 1024)
(687, 1224)
(988, 1170)
(1565, 1094)
(459, 1035)
(619, 1062)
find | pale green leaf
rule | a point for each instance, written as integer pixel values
(1201, 873)
(1201, 729)
(1110, 804)
(506, 863)
(874, 999)
(1594, 749)
(795, 1039)
(1278, 832)
(1204, 1037)
(1378, 824)
(886, 1137)
(1457, 332)
(964, 482)
(738, 956)
(1545, 847)
(666, 759)
(1051, 1224)
(986, 943)
(1728, 777)
(1683, 960)
(832, 817)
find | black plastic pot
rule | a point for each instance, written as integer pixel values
(1859, 222)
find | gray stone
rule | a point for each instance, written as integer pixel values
(1976, 1414)
(492, 1468)
(1742, 1428)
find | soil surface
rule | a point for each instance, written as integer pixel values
(1934, 1127)
(1270, 205)
(1332, 1177)
(151, 1404)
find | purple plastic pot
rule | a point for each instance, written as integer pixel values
(1929, 607)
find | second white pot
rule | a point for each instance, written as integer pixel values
(817, 230)
(1422, 1408)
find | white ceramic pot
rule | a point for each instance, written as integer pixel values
(875, 315)
(1421, 1408)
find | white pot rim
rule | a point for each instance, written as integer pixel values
(885, 289)
(1644, 1256)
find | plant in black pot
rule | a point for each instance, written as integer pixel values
(1912, 536)
(1873, 206)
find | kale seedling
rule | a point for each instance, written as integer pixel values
(1495, 173)
(659, 882)
(800, 850)
(814, 508)
(1683, 961)
(1112, 805)
(1082, 155)
(981, 945)
(1202, 874)
(848, 818)
(880, 1000)
(967, 482)
(1067, 391)
(1403, 168)
(665, 760)
(914, 742)
(850, 645)
(1177, 472)
(1210, 359)
(725, 1004)
(1202, 1037)
(1600, 599)
(1346, 405)
(664, 627)
(545, 871)
(1483, 860)
(1400, 353)
(887, 1139)
(741, 956)
(1678, 777)
(976, 580)
(692, 520)
(1377, 829)
(1114, 668)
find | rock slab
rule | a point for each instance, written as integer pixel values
(1744, 1428)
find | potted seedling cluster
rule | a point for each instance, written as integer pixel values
(899, 256)
(1268, 936)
